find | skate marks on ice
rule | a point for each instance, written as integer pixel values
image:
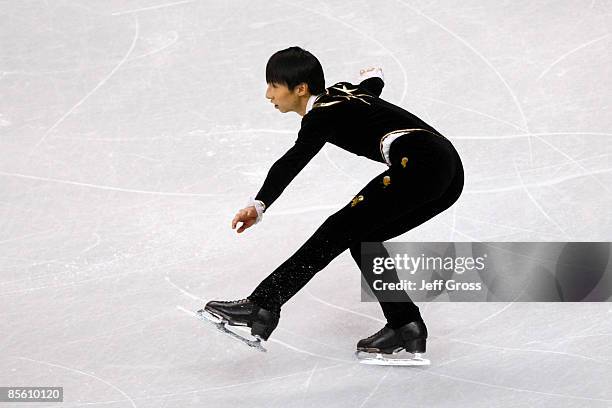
(396, 359)
(220, 324)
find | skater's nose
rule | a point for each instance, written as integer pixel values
(269, 92)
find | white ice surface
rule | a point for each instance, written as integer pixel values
(132, 131)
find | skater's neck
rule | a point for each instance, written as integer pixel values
(308, 104)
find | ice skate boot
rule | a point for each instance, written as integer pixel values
(387, 345)
(241, 313)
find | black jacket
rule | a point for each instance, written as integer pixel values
(352, 117)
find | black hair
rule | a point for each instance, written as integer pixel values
(294, 65)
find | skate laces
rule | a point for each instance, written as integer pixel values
(377, 333)
(240, 301)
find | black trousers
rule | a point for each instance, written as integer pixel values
(424, 179)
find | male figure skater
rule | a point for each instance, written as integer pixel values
(424, 178)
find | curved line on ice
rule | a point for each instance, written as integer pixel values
(364, 34)
(282, 343)
(86, 374)
(103, 187)
(102, 82)
(484, 59)
(343, 309)
(567, 54)
(550, 394)
(509, 89)
(183, 291)
(526, 350)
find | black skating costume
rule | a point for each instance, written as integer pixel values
(424, 178)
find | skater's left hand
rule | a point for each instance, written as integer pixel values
(369, 72)
(248, 217)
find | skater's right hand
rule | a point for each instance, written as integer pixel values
(248, 217)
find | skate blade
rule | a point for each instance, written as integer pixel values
(221, 324)
(391, 359)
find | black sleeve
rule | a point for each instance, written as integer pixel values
(373, 85)
(284, 170)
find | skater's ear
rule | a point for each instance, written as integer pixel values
(302, 89)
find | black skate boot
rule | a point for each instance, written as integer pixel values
(410, 337)
(244, 313)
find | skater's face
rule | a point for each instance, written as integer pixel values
(285, 99)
